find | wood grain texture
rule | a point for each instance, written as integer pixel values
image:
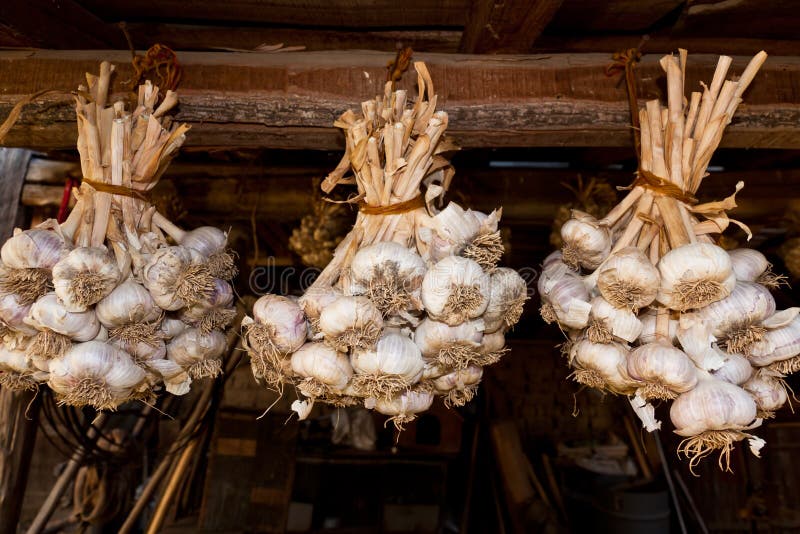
(611, 15)
(13, 168)
(510, 26)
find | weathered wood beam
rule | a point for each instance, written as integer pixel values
(510, 26)
(291, 100)
(663, 43)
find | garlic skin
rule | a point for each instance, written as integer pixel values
(277, 328)
(171, 327)
(197, 353)
(748, 264)
(216, 311)
(768, 392)
(212, 243)
(779, 348)
(48, 313)
(316, 299)
(460, 386)
(736, 318)
(507, 295)
(351, 322)
(664, 370)
(16, 371)
(628, 280)
(455, 289)
(586, 242)
(446, 233)
(450, 346)
(95, 374)
(177, 276)
(13, 313)
(565, 298)
(694, 276)
(736, 369)
(648, 334)
(712, 405)
(84, 276)
(36, 248)
(404, 407)
(608, 322)
(395, 363)
(698, 342)
(141, 352)
(391, 274)
(324, 370)
(128, 303)
(493, 347)
(553, 260)
(602, 366)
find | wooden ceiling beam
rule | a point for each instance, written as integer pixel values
(291, 100)
(509, 26)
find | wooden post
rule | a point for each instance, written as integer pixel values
(18, 410)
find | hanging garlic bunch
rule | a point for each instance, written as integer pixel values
(412, 303)
(28, 259)
(652, 306)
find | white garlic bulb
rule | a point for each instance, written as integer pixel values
(649, 334)
(748, 264)
(768, 391)
(736, 369)
(128, 303)
(142, 352)
(13, 313)
(316, 299)
(608, 322)
(171, 327)
(351, 322)
(507, 295)
(395, 363)
(446, 233)
(16, 371)
(95, 374)
(778, 348)
(459, 387)
(664, 371)
(450, 346)
(84, 276)
(404, 407)
(628, 280)
(197, 353)
(277, 329)
(212, 243)
(586, 242)
(694, 276)
(493, 347)
(553, 260)
(455, 290)
(216, 311)
(391, 274)
(324, 370)
(565, 298)
(58, 327)
(737, 318)
(177, 276)
(697, 341)
(602, 366)
(36, 248)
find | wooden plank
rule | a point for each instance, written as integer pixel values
(776, 19)
(510, 26)
(611, 15)
(346, 13)
(664, 43)
(291, 100)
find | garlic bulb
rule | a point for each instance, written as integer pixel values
(493, 347)
(394, 364)
(95, 374)
(277, 329)
(404, 407)
(455, 290)
(602, 366)
(13, 313)
(450, 346)
(698, 342)
(694, 276)
(628, 280)
(553, 260)
(215, 311)
(459, 387)
(713, 416)
(171, 327)
(664, 370)
(36, 248)
(130, 314)
(84, 276)
(446, 233)
(142, 352)
(177, 276)
(16, 372)
(198, 353)
(778, 349)
(507, 295)
(58, 327)
(351, 322)
(565, 298)
(324, 370)
(748, 264)
(392, 275)
(737, 317)
(768, 391)
(316, 299)
(649, 335)
(608, 322)
(212, 243)
(736, 369)
(586, 242)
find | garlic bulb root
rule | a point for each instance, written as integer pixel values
(222, 264)
(598, 331)
(266, 358)
(695, 448)
(142, 332)
(376, 384)
(741, 336)
(486, 250)
(48, 344)
(18, 381)
(28, 284)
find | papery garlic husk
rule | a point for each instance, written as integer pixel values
(212, 243)
(85, 276)
(324, 372)
(713, 416)
(769, 392)
(58, 327)
(12, 315)
(778, 349)
(450, 346)
(446, 233)
(649, 334)
(394, 364)
(130, 314)
(351, 322)
(664, 371)
(199, 354)
(565, 298)
(628, 280)
(749, 265)
(602, 366)
(507, 295)
(28, 259)
(404, 407)
(697, 341)
(455, 290)
(736, 369)
(460, 386)
(171, 327)
(16, 371)
(737, 318)
(586, 242)
(176, 277)
(493, 347)
(486, 248)
(215, 312)
(392, 276)
(95, 374)
(553, 260)
(277, 329)
(694, 276)
(142, 352)
(608, 322)
(316, 299)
